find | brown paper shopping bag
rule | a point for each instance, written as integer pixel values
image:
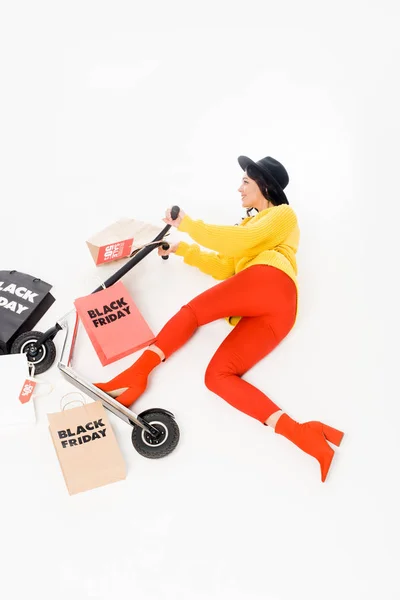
(86, 447)
(120, 239)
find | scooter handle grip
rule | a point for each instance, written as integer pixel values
(175, 212)
(165, 247)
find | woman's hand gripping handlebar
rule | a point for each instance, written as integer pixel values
(171, 218)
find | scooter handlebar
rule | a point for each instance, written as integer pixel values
(174, 215)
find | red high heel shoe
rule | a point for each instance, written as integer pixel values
(133, 381)
(311, 437)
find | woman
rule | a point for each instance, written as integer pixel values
(257, 294)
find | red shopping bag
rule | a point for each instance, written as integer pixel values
(113, 323)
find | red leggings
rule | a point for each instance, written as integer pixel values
(266, 299)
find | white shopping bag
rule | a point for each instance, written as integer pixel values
(16, 391)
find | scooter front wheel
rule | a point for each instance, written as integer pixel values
(168, 434)
(41, 357)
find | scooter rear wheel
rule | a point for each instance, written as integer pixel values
(147, 445)
(43, 357)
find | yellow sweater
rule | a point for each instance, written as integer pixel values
(271, 237)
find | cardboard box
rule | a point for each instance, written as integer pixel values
(120, 239)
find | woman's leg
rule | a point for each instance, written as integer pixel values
(256, 291)
(251, 340)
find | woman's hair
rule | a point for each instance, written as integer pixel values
(266, 188)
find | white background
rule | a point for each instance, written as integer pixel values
(113, 109)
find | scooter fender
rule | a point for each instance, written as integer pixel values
(150, 410)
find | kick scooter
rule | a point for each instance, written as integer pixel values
(155, 432)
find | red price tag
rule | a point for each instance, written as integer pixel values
(115, 251)
(27, 391)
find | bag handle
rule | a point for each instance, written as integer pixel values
(34, 279)
(83, 402)
(31, 376)
(157, 243)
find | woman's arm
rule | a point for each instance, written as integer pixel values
(219, 267)
(233, 240)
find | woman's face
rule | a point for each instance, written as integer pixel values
(251, 194)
